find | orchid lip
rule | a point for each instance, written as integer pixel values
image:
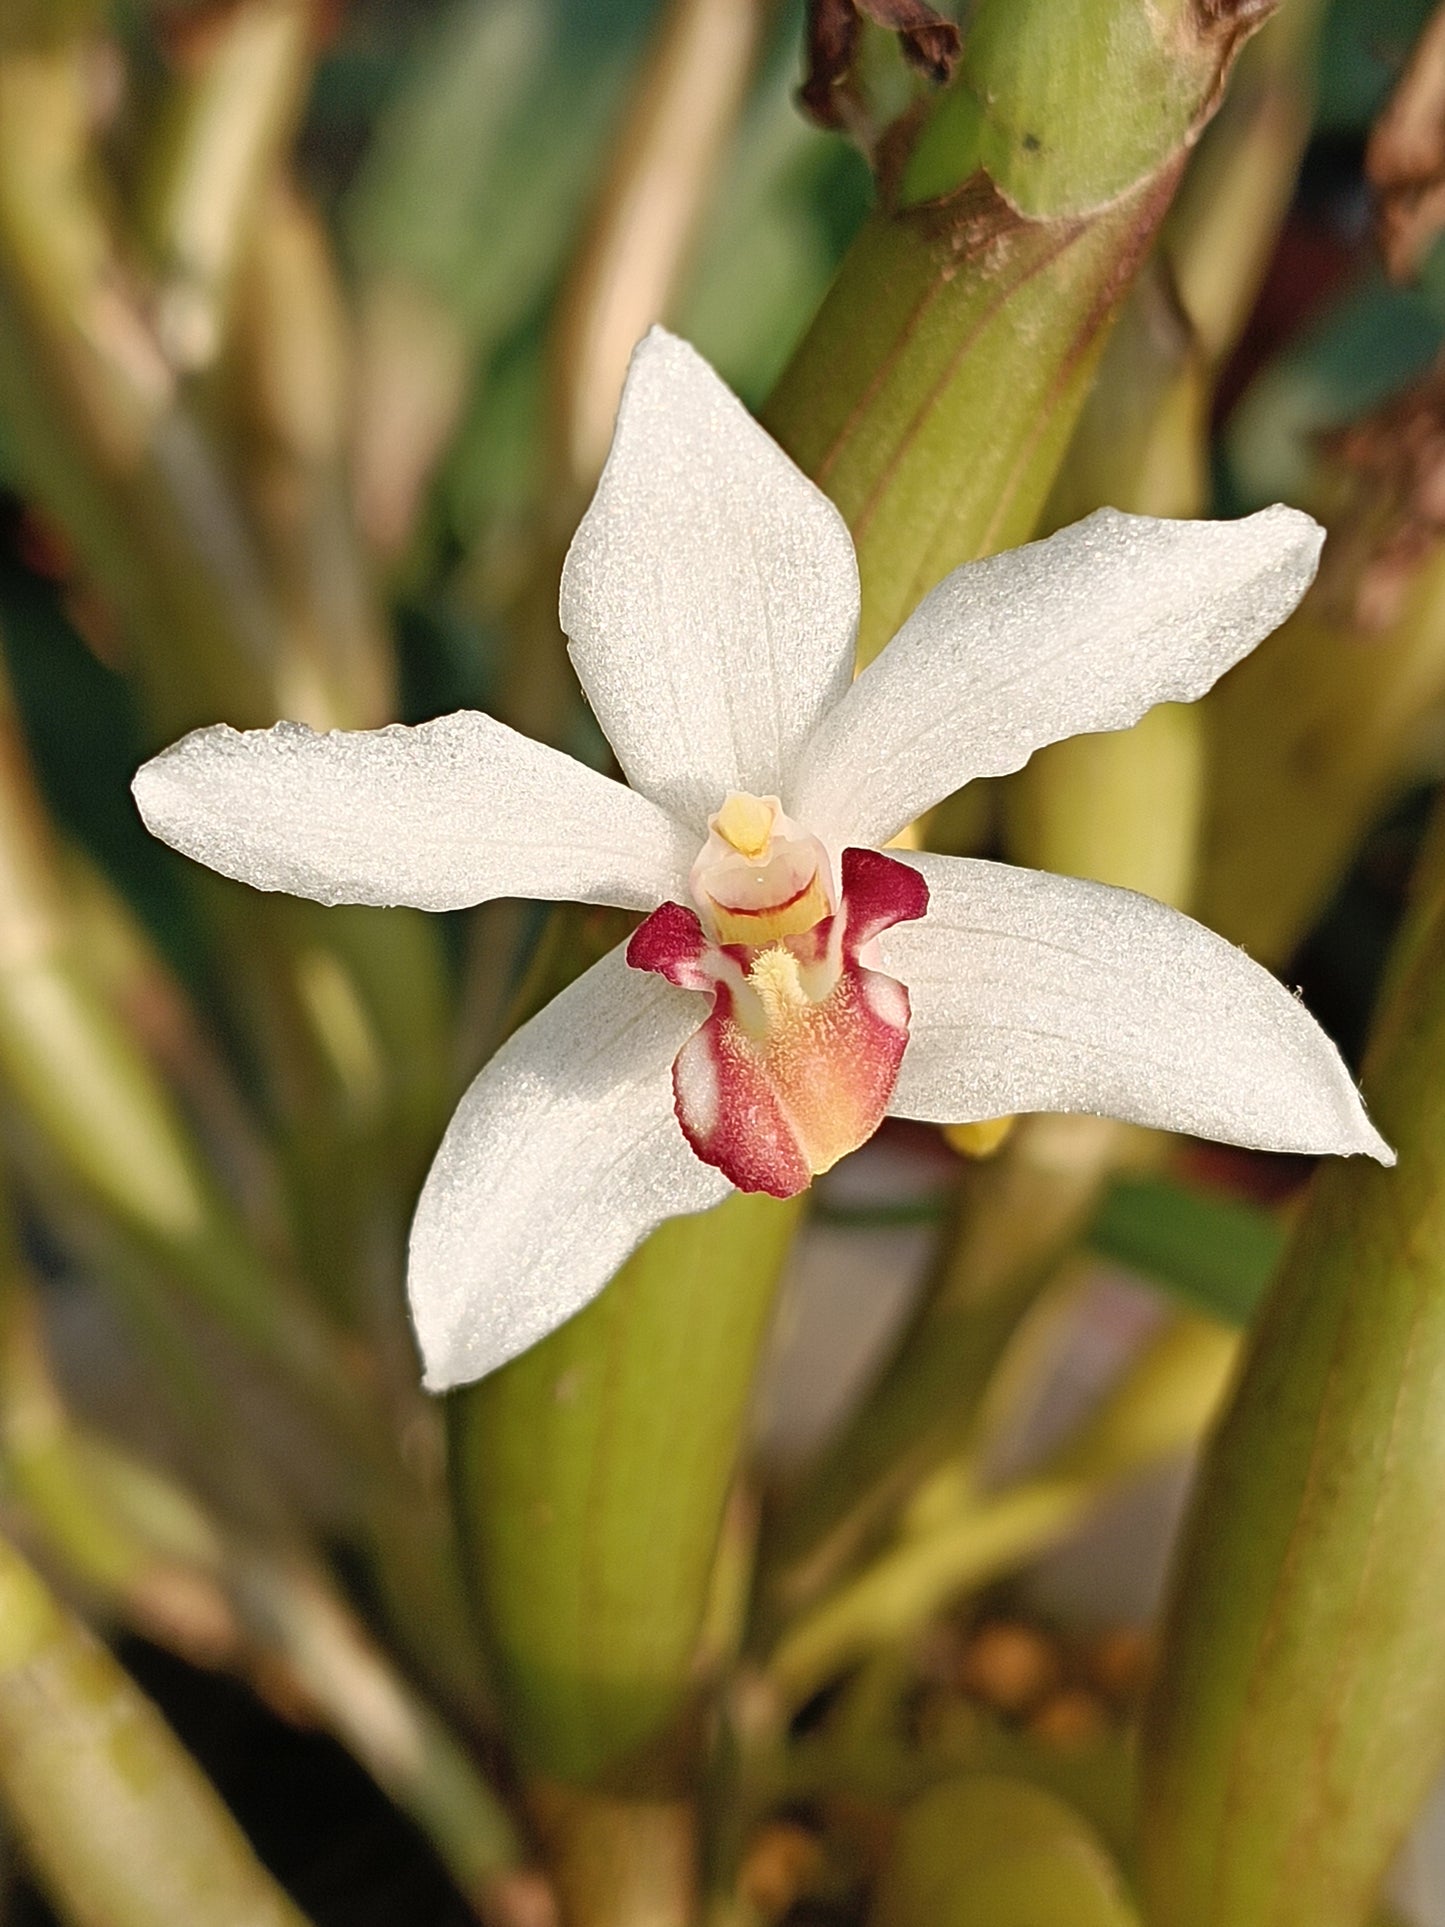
(797, 1061)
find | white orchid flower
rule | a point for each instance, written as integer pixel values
(791, 984)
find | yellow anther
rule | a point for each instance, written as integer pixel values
(746, 822)
(982, 1139)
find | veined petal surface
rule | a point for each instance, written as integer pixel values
(439, 816)
(563, 1155)
(1033, 992)
(1081, 632)
(711, 592)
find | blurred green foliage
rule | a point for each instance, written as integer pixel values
(1364, 46)
(1216, 1252)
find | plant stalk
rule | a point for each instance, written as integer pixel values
(119, 1822)
(1300, 1714)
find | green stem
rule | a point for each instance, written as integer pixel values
(620, 1862)
(119, 1822)
(1300, 1714)
(1163, 1405)
(229, 116)
(1310, 739)
(583, 1463)
(936, 392)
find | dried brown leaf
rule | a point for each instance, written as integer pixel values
(1392, 516)
(1405, 159)
(929, 40)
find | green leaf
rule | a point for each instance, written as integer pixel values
(460, 190)
(1366, 43)
(1364, 349)
(1217, 1254)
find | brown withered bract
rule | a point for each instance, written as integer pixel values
(1405, 160)
(929, 41)
(1390, 517)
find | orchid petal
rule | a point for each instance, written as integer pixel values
(1082, 632)
(711, 593)
(443, 815)
(563, 1155)
(1043, 993)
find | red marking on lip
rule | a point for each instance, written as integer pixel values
(770, 910)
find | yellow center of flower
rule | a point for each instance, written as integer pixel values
(746, 822)
(760, 876)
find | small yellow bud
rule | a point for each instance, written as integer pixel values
(910, 837)
(979, 1140)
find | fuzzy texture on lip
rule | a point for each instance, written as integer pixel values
(711, 600)
(797, 1061)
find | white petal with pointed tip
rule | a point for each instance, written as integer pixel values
(1043, 993)
(1081, 632)
(446, 814)
(711, 593)
(563, 1155)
